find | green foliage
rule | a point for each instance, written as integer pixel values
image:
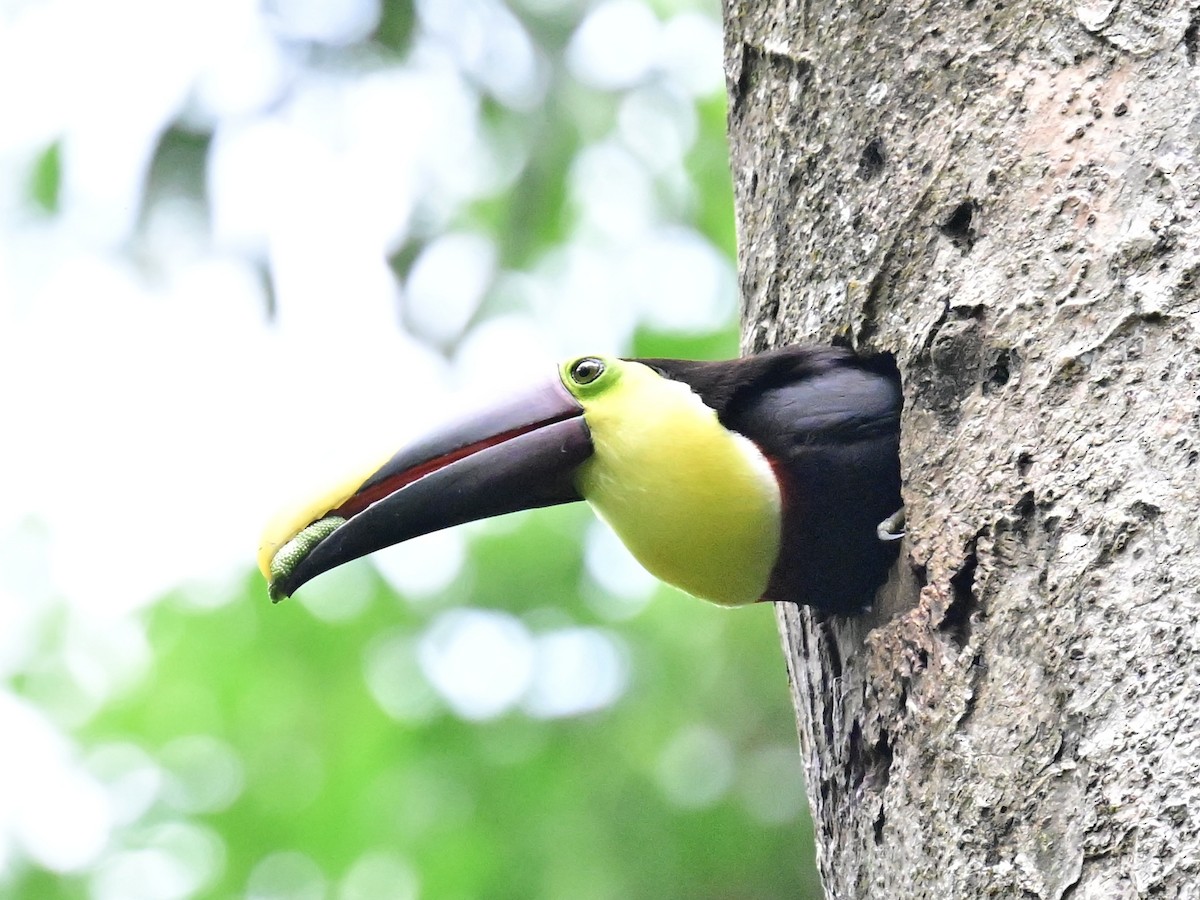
(396, 26)
(702, 345)
(708, 167)
(515, 806)
(45, 180)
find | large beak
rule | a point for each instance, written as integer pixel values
(519, 456)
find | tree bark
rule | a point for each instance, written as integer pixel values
(1006, 196)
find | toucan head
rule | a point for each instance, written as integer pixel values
(697, 503)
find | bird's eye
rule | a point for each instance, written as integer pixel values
(587, 370)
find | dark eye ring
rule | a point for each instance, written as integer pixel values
(587, 370)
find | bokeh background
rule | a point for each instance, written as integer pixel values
(245, 243)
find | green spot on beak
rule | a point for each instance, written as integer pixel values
(293, 552)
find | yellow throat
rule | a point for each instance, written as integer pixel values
(697, 504)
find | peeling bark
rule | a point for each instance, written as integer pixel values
(1006, 197)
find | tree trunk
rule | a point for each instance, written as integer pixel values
(1006, 197)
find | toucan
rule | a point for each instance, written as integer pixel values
(770, 477)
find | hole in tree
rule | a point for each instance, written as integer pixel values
(957, 620)
(872, 160)
(1024, 463)
(999, 372)
(958, 225)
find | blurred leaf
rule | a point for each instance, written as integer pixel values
(45, 181)
(396, 24)
(178, 168)
(708, 166)
(704, 345)
(401, 260)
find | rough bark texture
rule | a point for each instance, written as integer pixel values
(1007, 197)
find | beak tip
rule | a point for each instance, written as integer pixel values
(280, 569)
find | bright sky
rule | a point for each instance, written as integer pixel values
(150, 397)
(154, 418)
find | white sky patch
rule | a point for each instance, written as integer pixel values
(109, 114)
(102, 656)
(35, 44)
(206, 290)
(692, 51)
(489, 43)
(593, 55)
(246, 71)
(613, 192)
(576, 670)
(24, 600)
(142, 875)
(680, 282)
(423, 566)
(599, 316)
(315, 288)
(288, 875)
(446, 284)
(503, 355)
(243, 182)
(325, 187)
(322, 21)
(170, 861)
(458, 164)
(39, 779)
(379, 874)
(658, 125)
(480, 661)
(133, 780)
